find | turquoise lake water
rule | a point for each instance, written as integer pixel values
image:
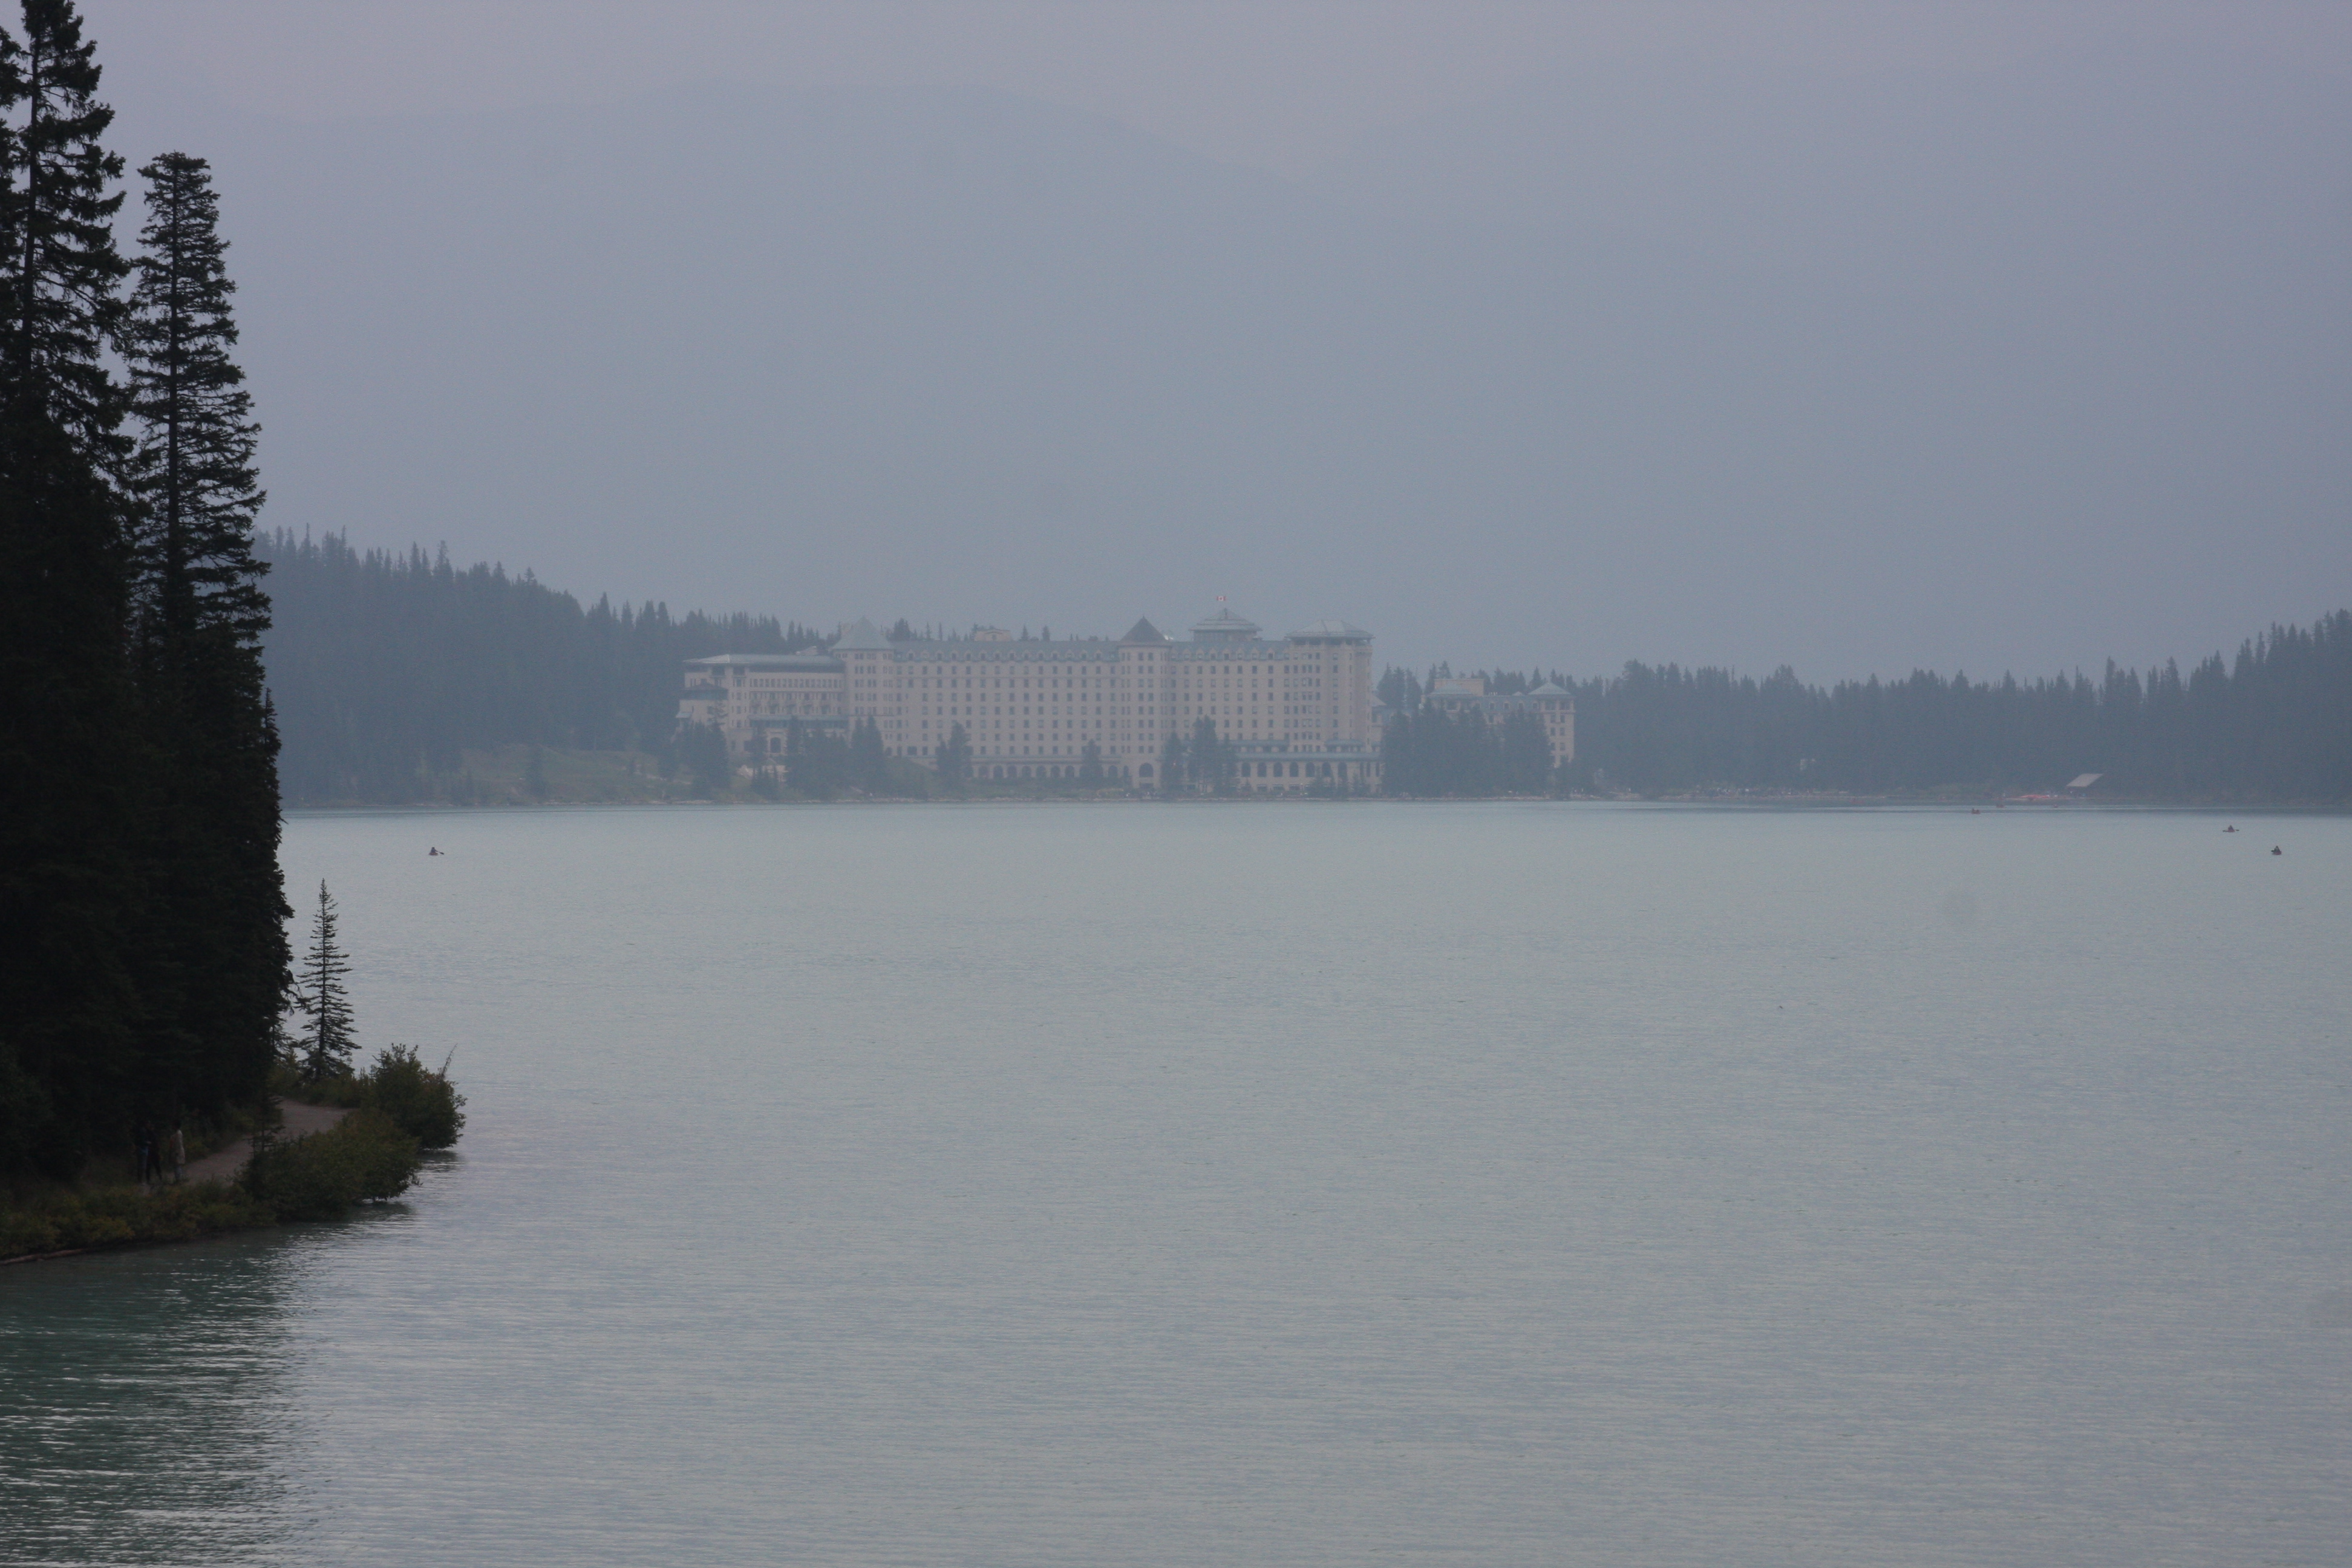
(1271, 1185)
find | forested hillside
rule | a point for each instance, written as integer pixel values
(2274, 723)
(387, 668)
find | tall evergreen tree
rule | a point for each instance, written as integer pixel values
(870, 763)
(703, 747)
(68, 999)
(815, 765)
(191, 466)
(1213, 759)
(328, 1040)
(1172, 762)
(64, 267)
(955, 758)
(1524, 764)
(217, 901)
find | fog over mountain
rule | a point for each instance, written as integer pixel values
(1854, 368)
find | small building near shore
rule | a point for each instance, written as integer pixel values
(1553, 707)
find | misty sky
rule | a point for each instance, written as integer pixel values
(1859, 338)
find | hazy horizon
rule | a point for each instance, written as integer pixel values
(1985, 339)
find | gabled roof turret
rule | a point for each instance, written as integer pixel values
(1143, 631)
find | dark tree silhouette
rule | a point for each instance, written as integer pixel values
(215, 896)
(1212, 759)
(71, 1009)
(815, 764)
(63, 306)
(703, 749)
(328, 1039)
(2273, 724)
(955, 759)
(869, 764)
(1174, 763)
(1524, 763)
(191, 466)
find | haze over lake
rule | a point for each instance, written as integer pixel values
(1859, 338)
(1301, 1184)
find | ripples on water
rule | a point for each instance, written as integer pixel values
(147, 1406)
(1274, 1185)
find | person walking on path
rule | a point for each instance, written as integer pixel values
(179, 1155)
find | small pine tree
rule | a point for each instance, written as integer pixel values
(534, 773)
(1171, 762)
(703, 749)
(955, 759)
(328, 1039)
(1526, 755)
(869, 764)
(1212, 760)
(1090, 766)
(815, 764)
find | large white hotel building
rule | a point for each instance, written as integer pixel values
(1296, 711)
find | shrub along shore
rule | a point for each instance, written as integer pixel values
(399, 1109)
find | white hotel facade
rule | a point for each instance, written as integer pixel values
(1297, 711)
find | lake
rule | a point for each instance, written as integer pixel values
(1271, 1183)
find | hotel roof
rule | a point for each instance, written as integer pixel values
(1224, 626)
(810, 660)
(1333, 629)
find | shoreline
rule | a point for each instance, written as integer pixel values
(1826, 802)
(208, 1197)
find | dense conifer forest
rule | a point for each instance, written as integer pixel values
(2273, 725)
(387, 668)
(139, 806)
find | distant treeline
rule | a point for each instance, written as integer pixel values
(1427, 751)
(2273, 724)
(387, 668)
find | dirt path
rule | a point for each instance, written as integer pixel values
(224, 1164)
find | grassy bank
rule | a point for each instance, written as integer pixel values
(365, 1159)
(399, 1109)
